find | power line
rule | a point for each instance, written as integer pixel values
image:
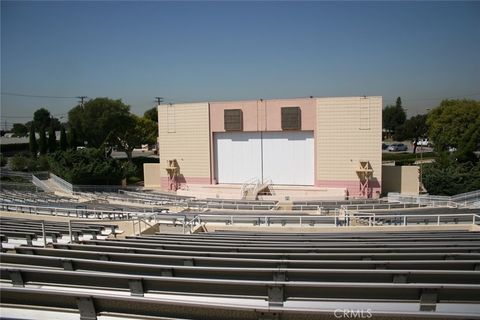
(26, 117)
(31, 117)
(35, 96)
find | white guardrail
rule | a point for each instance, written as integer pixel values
(375, 219)
(347, 218)
(463, 199)
(74, 212)
(342, 220)
(39, 183)
(247, 206)
(66, 186)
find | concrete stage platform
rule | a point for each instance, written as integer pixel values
(279, 192)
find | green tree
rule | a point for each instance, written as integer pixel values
(414, 128)
(394, 116)
(63, 140)
(89, 166)
(72, 138)
(100, 121)
(20, 163)
(52, 140)
(152, 114)
(398, 103)
(33, 141)
(140, 130)
(41, 119)
(56, 124)
(449, 177)
(42, 143)
(148, 130)
(19, 130)
(456, 123)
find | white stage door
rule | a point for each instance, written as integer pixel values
(288, 157)
(238, 156)
(284, 157)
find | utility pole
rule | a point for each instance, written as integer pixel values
(159, 100)
(82, 98)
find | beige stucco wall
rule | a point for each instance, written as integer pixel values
(184, 135)
(348, 130)
(402, 179)
(151, 175)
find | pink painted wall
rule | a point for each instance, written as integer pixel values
(353, 186)
(260, 115)
(182, 180)
(263, 115)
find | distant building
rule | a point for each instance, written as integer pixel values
(313, 144)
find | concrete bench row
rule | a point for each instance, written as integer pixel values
(150, 261)
(31, 230)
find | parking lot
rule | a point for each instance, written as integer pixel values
(409, 144)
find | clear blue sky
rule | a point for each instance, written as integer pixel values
(205, 51)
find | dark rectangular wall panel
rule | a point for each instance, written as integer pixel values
(291, 118)
(233, 120)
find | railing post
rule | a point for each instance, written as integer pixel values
(44, 234)
(300, 219)
(438, 220)
(70, 230)
(404, 220)
(183, 224)
(139, 226)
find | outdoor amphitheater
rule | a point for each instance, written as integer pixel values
(134, 253)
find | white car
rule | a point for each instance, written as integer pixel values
(397, 147)
(423, 142)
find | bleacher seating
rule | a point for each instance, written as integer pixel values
(241, 275)
(33, 197)
(32, 230)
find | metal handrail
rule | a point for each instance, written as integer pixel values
(87, 213)
(39, 183)
(433, 200)
(342, 218)
(62, 183)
